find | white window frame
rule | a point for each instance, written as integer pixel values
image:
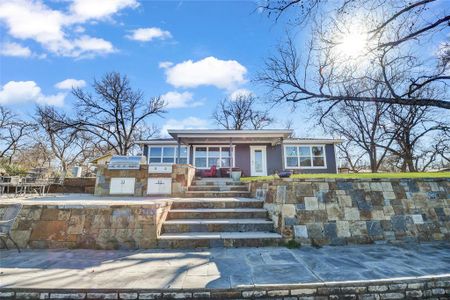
(162, 154)
(207, 155)
(310, 155)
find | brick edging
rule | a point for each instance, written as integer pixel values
(435, 286)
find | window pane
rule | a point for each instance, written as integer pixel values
(317, 151)
(225, 162)
(183, 160)
(200, 152)
(169, 152)
(225, 151)
(305, 161)
(292, 161)
(213, 161)
(291, 151)
(214, 152)
(168, 160)
(155, 159)
(318, 162)
(155, 151)
(183, 151)
(304, 151)
(200, 162)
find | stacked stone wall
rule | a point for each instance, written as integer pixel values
(89, 226)
(182, 177)
(358, 211)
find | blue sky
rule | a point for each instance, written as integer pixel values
(193, 53)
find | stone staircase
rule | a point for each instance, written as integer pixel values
(217, 187)
(218, 216)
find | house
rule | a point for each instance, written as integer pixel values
(102, 160)
(254, 152)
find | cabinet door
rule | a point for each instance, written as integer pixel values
(165, 186)
(159, 186)
(115, 186)
(128, 186)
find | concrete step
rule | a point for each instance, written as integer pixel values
(217, 182)
(217, 225)
(219, 188)
(217, 194)
(217, 213)
(218, 239)
(217, 203)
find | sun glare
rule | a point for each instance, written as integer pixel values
(352, 44)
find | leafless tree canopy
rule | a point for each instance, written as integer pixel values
(13, 132)
(396, 53)
(240, 113)
(115, 116)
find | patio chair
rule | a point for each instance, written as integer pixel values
(6, 223)
(210, 173)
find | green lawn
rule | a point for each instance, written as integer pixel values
(359, 175)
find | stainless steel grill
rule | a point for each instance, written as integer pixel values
(119, 162)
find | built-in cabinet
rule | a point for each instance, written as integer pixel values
(122, 186)
(159, 186)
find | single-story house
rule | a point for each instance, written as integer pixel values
(254, 152)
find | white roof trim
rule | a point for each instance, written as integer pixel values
(312, 141)
(202, 133)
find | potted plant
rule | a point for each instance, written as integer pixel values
(236, 174)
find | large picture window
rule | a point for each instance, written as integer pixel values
(208, 156)
(304, 156)
(167, 154)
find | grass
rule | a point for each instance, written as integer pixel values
(358, 176)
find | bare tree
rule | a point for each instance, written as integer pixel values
(241, 113)
(394, 34)
(115, 117)
(13, 132)
(415, 131)
(362, 124)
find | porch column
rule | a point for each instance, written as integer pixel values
(231, 155)
(179, 150)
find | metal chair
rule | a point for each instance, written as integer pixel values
(6, 223)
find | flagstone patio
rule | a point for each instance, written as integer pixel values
(219, 268)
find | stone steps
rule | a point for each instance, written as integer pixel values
(217, 222)
(217, 213)
(217, 203)
(219, 239)
(216, 193)
(217, 182)
(217, 225)
(219, 188)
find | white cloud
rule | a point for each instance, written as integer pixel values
(148, 34)
(99, 9)
(28, 91)
(240, 92)
(70, 83)
(14, 49)
(57, 31)
(224, 74)
(188, 123)
(179, 100)
(165, 64)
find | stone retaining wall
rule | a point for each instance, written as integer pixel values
(341, 211)
(182, 177)
(83, 185)
(89, 226)
(427, 287)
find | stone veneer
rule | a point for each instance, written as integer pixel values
(426, 287)
(342, 211)
(93, 226)
(182, 177)
(104, 175)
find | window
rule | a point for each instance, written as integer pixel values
(167, 154)
(208, 156)
(304, 156)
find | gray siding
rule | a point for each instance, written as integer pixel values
(275, 159)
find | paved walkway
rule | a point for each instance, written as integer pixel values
(218, 268)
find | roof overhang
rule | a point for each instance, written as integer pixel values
(191, 136)
(312, 141)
